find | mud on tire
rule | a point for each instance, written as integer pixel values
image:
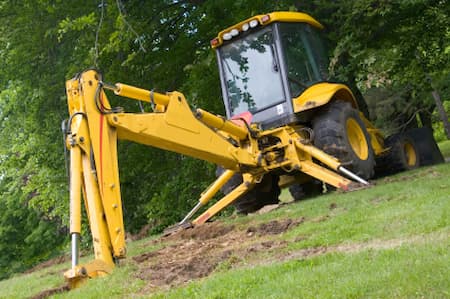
(264, 193)
(340, 132)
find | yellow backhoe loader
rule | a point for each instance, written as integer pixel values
(285, 126)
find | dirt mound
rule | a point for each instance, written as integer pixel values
(203, 232)
(180, 262)
(197, 252)
(274, 227)
(183, 266)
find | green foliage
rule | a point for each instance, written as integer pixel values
(443, 88)
(444, 147)
(77, 25)
(438, 127)
(391, 109)
(164, 189)
(29, 231)
(395, 44)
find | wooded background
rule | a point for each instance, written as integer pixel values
(384, 47)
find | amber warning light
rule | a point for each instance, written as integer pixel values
(265, 18)
(214, 42)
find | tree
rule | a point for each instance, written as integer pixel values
(385, 37)
(27, 235)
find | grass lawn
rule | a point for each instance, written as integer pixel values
(409, 271)
(444, 146)
(387, 241)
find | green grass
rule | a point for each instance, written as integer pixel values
(444, 146)
(26, 285)
(388, 241)
(414, 209)
(117, 285)
(405, 272)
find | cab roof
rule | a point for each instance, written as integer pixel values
(264, 20)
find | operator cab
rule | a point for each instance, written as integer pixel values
(267, 61)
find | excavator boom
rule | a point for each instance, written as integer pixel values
(95, 128)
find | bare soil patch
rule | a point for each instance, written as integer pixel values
(209, 230)
(274, 227)
(197, 252)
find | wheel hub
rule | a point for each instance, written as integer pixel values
(357, 139)
(410, 154)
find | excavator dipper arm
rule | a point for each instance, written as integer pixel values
(94, 128)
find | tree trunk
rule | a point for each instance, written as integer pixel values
(442, 114)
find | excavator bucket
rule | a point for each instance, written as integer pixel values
(176, 228)
(429, 153)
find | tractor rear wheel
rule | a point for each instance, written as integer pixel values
(340, 132)
(264, 193)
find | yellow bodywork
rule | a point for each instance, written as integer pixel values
(92, 140)
(322, 93)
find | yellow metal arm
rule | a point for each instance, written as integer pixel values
(178, 130)
(93, 173)
(92, 140)
(95, 128)
(141, 94)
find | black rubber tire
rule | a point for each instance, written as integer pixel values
(429, 153)
(305, 190)
(331, 135)
(403, 154)
(264, 193)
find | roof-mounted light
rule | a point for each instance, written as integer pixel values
(214, 42)
(227, 36)
(245, 27)
(253, 23)
(234, 32)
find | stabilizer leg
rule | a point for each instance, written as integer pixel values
(248, 183)
(204, 199)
